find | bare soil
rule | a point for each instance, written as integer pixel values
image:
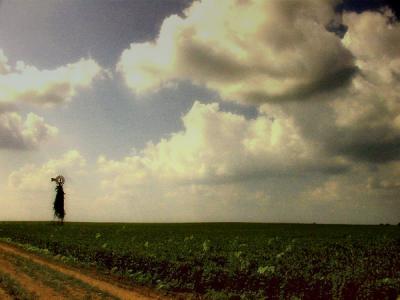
(4, 295)
(46, 292)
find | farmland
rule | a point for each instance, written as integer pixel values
(228, 260)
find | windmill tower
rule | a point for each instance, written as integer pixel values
(58, 206)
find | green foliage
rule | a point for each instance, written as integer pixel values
(232, 260)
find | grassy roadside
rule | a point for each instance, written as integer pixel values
(94, 271)
(59, 282)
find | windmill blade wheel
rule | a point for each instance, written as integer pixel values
(60, 180)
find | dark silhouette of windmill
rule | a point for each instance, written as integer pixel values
(58, 205)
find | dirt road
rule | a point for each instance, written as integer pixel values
(24, 275)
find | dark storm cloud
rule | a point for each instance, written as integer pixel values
(324, 85)
(378, 152)
(304, 169)
(372, 140)
(57, 32)
(201, 59)
(338, 28)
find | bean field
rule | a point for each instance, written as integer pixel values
(229, 260)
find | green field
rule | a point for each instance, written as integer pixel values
(231, 260)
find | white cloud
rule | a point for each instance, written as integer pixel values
(360, 123)
(222, 166)
(30, 193)
(28, 84)
(218, 146)
(374, 39)
(37, 178)
(286, 164)
(16, 133)
(249, 51)
(367, 118)
(373, 36)
(294, 154)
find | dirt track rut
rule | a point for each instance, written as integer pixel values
(26, 270)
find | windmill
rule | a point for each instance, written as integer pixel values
(58, 205)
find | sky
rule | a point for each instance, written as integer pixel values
(197, 111)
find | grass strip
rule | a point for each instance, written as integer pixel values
(54, 279)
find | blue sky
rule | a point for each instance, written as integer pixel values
(179, 111)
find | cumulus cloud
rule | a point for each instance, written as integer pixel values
(17, 133)
(221, 166)
(346, 138)
(29, 193)
(28, 84)
(37, 178)
(334, 159)
(360, 123)
(368, 127)
(249, 51)
(368, 117)
(373, 35)
(272, 51)
(217, 146)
